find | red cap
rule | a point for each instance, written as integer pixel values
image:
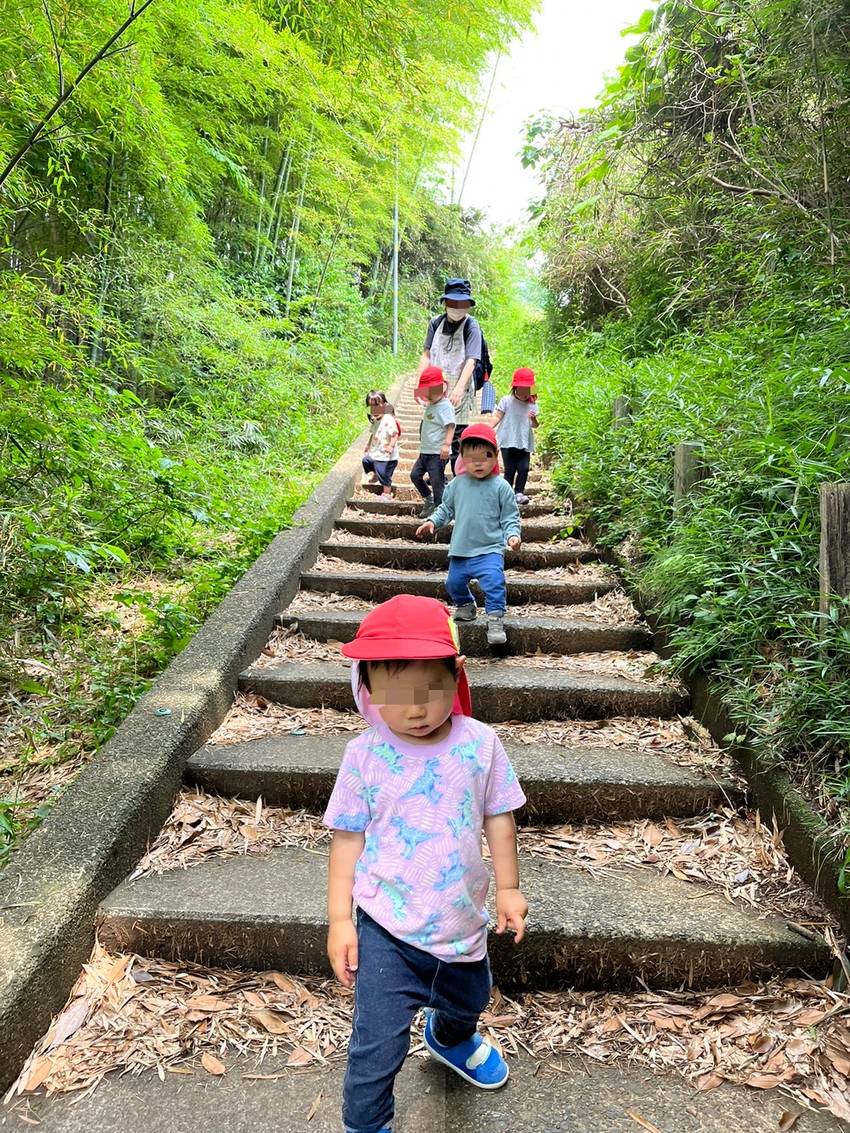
(410, 628)
(431, 376)
(483, 433)
(523, 377)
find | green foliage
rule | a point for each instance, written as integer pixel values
(192, 302)
(714, 171)
(734, 573)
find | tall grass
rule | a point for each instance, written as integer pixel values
(734, 573)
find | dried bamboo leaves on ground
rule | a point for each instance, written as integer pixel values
(287, 644)
(726, 851)
(202, 825)
(253, 717)
(130, 1014)
(613, 608)
(682, 740)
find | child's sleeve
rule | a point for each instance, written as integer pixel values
(348, 807)
(509, 520)
(504, 403)
(444, 513)
(503, 790)
(447, 413)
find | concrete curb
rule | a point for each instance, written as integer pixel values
(105, 820)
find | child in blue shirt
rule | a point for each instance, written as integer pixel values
(486, 518)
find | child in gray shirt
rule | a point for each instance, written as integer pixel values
(435, 439)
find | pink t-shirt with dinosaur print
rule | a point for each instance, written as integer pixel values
(422, 808)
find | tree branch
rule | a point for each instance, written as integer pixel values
(56, 51)
(37, 130)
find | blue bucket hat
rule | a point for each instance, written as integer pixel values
(458, 289)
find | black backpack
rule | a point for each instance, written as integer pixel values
(483, 365)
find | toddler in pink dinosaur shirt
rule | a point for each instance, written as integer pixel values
(412, 797)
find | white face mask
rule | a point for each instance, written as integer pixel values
(456, 314)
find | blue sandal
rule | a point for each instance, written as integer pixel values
(474, 1059)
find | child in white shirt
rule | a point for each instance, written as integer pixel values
(381, 455)
(515, 421)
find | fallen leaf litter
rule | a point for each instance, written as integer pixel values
(289, 645)
(732, 853)
(613, 608)
(681, 740)
(130, 1014)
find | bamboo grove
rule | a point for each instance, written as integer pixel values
(196, 206)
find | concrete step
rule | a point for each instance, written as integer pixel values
(618, 928)
(263, 1097)
(392, 527)
(575, 1095)
(581, 784)
(401, 475)
(378, 586)
(499, 692)
(525, 635)
(404, 490)
(399, 507)
(432, 555)
(582, 1096)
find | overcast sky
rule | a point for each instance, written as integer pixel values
(559, 67)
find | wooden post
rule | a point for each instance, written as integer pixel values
(621, 411)
(834, 543)
(688, 470)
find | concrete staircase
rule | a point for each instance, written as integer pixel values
(609, 930)
(627, 929)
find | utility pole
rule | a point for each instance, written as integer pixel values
(395, 259)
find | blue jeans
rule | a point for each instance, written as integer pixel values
(433, 466)
(490, 572)
(383, 469)
(394, 980)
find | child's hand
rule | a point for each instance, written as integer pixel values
(425, 529)
(342, 951)
(511, 911)
(514, 543)
(445, 452)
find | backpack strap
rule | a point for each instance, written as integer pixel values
(440, 319)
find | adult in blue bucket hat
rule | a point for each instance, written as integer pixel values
(453, 343)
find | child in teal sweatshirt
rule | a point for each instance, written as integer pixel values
(486, 519)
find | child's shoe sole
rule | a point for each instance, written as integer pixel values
(462, 1068)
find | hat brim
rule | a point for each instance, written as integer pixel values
(402, 649)
(459, 298)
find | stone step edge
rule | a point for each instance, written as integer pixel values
(527, 635)
(563, 784)
(618, 929)
(433, 553)
(499, 693)
(380, 585)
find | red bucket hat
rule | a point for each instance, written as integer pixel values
(410, 628)
(523, 377)
(430, 377)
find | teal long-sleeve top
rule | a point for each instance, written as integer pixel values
(485, 515)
